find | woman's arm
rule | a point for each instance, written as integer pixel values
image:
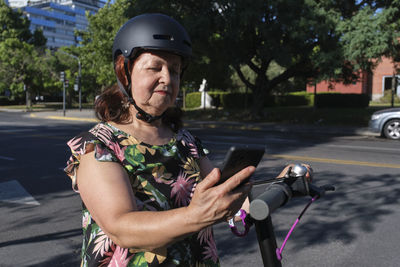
(105, 189)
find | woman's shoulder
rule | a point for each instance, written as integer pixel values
(102, 132)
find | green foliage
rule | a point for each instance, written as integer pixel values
(342, 100)
(20, 54)
(95, 52)
(370, 34)
(13, 24)
(235, 100)
(295, 99)
(193, 100)
(387, 98)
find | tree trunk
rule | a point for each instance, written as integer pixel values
(28, 96)
(260, 92)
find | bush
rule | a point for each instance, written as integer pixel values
(5, 101)
(220, 99)
(235, 100)
(295, 99)
(387, 98)
(230, 100)
(342, 100)
(193, 100)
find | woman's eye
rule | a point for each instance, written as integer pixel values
(154, 68)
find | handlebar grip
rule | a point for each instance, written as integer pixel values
(320, 191)
(275, 196)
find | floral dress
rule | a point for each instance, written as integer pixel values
(162, 177)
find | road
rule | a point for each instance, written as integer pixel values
(354, 226)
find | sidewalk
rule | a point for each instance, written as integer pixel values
(87, 115)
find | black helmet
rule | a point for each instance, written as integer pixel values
(152, 31)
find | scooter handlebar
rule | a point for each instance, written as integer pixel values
(275, 196)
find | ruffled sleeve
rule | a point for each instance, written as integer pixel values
(193, 143)
(85, 143)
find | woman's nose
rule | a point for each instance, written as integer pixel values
(165, 76)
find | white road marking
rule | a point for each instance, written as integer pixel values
(13, 192)
(6, 158)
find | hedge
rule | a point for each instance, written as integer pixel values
(238, 100)
(342, 100)
(5, 101)
(220, 99)
(295, 99)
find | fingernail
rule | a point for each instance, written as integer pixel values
(252, 168)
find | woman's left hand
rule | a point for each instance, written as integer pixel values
(308, 176)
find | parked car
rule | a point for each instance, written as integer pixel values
(386, 122)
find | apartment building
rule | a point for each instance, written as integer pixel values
(58, 18)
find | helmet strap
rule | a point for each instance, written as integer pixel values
(141, 114)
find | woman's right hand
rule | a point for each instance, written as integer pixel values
(211, 204)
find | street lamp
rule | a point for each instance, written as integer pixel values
(79, 77)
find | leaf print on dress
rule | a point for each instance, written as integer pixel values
(210, 251)
(132, 141)
(188, 140)
(118, 151)
(134, 157)
(160, 254)
(76, 145)
(206, 236)
(85, 220)
(192, 168)
(139, 260)
(128, 141)
(102, 132)
(181, 189)
(103, 243)
(160, 176)
(154, 193)
(120, 257)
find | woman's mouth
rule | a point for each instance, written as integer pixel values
(163, 92)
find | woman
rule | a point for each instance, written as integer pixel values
(146, 184)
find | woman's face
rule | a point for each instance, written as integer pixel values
(155, 81)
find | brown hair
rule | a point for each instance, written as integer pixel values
(112, 104)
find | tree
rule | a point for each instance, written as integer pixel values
(95, 52)
(18, 67)
(20, 51)
(306, 39)
(298, 36)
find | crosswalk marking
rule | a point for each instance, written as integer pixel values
(13, 192)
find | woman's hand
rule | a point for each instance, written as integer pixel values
(308, 176)
(211, 204)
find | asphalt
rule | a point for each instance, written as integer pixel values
(87, 115)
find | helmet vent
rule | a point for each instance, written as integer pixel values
(163, 37)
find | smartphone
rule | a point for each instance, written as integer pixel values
(238, 158)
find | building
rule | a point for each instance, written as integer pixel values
(374, 84)
(58, 18)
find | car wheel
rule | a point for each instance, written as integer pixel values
(392, 129)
